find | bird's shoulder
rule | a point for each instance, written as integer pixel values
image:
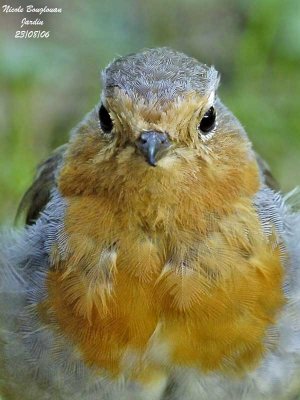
(266, 174)
(38, 194)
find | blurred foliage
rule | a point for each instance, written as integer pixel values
(47, 85)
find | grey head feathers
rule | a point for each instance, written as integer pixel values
(159, 75)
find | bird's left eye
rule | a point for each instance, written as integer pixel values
(208, 121)
(106, 122)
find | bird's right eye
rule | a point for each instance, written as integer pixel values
(106, 122)
(207, 123)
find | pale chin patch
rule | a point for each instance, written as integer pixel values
(168, 161)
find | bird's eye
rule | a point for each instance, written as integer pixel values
(208, 121)
(105, 120)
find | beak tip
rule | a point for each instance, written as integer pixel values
(152, 161)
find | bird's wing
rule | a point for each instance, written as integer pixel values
(266, 174)
(37, 196)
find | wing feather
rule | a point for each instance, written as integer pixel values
(37, 196)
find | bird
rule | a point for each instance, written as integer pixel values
(159, 259)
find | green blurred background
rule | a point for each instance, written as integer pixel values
(47, 85)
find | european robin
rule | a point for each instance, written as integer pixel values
(157, 262)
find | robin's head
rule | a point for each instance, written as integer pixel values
(159, 122)
(158, 101)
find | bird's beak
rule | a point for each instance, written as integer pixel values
(151, 143)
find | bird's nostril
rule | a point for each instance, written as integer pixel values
(163, 138)
(144, 138)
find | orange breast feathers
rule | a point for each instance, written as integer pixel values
(207, 299)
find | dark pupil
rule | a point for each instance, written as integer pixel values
(105, 120)
(208, 121)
